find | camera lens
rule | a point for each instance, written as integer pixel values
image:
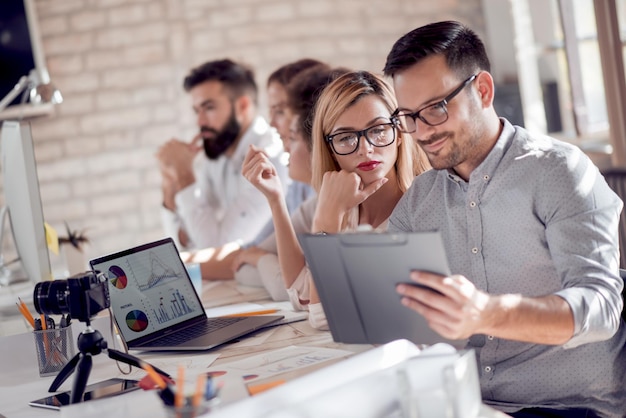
(50, 297)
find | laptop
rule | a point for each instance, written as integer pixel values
(356, 276)
(156, 307)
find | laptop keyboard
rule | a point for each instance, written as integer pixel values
(189, 333)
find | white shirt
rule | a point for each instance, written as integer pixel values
(222, 206)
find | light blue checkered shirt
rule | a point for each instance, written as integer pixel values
(535, 218)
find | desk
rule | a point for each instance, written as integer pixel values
(21, 382)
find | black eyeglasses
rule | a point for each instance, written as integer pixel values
(432, 115)
(382, 135)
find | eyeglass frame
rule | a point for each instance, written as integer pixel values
(393, 122)
(443, 103)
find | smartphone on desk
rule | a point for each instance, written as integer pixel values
(104, 389)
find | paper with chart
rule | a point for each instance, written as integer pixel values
(278, 361)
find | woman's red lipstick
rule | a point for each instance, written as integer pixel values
(368, 165)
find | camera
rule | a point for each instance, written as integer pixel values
(81, 296)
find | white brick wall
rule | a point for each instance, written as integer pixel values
(120, 64)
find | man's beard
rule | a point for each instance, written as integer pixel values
(463, 146)
(445, 161)
(216, 146)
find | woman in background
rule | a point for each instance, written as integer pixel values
(264, 260)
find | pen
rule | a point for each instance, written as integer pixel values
(50, 324)
(211, 388)
(252, 313)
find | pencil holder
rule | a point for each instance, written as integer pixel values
(55, 348)
(186, 411)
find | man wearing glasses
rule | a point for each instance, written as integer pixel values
(530, 229)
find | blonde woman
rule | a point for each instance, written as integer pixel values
(361, 166)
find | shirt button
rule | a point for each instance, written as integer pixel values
(474, 250)
(490, 337)
(486, 177)
(488, 369)
(472, 204)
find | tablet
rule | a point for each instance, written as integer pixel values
(356, 276)
(104, 389)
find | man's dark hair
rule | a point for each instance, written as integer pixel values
(303, 92)
(237, 78)
(287, 72)
(464, 51)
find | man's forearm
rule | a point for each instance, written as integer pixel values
(542, 320)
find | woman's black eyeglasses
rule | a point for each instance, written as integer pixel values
(347, 142)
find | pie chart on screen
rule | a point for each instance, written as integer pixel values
(136, 320)
(118, 277)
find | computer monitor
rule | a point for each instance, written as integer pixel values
(22, 54)
(23, 202)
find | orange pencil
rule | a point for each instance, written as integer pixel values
(262, 387)
(200, 388)
(27, 313)
(27, 316)
(180, 387)
(44, 326)
(252, 313)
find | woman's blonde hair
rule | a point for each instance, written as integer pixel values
(338, 96)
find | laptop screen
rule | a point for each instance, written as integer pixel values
(150, 288)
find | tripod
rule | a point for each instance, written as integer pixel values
(90, 343)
